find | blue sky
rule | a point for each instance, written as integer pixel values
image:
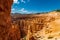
(34, 6)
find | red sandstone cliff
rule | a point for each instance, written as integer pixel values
(7, 30)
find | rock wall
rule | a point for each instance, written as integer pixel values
(7, 30)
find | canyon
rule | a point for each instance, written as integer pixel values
(43, 26)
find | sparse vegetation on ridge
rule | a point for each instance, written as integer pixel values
(57, 10)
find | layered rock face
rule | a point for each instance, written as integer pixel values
(5, 9)
(7, 30)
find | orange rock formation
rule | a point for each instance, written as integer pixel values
(7, 30)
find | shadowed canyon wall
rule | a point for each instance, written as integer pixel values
(7, 30)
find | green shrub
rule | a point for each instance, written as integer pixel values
(58, 10)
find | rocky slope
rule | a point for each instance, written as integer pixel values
(39, 26)
(51, 30)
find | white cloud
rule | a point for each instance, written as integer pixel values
(23, 1)
(12, 9)
(16, 1)
(23, 10)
